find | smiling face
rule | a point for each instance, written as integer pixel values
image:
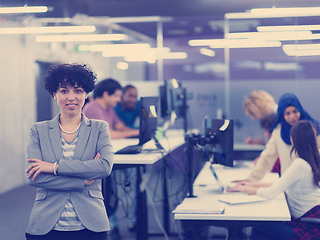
(291, 115)
(70, 99)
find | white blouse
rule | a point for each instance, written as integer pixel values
(297, 182)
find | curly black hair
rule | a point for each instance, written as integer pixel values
(69, 75)
(108, 85)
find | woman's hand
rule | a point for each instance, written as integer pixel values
(38, 166)
(246, 187)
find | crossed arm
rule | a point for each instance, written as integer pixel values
(73, 175)
(38, 166)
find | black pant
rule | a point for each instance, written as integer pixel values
(69, 235)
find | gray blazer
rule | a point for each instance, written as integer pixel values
(53, 191)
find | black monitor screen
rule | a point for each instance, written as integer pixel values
(148, 118)
(172, 96)
(221, 134)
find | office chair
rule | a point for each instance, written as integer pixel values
(311, 220)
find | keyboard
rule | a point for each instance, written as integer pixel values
(131, 149)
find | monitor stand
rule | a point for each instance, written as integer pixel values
(223, 188)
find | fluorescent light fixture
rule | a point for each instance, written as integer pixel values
(139, 19)
(82, 38)
(286, 12)
(281, 36)
(275, 13)
(288, 28)
(59, 29)
(207, 52)
(234, 43)
(303, 53)
(25, 9)
(145, 50)
(241, 15)
(113, 48)
(122, 65)
(301, 49)
(153, 54)
(139, 58)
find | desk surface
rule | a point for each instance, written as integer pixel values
(207, 192)
(247, 147)
(173, 140)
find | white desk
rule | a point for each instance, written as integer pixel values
(206, 190)
(243, 151)
(247, 147)
(172, 140)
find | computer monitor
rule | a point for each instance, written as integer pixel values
(220, 136)
(148, 118)
(172, 98)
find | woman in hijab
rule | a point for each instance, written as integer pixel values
(289, 112)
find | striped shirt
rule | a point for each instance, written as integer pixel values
(68, 220)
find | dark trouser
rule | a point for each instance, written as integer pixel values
(69, 235)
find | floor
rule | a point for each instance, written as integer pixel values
(15, 207)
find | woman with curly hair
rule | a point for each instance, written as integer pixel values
(66, 159)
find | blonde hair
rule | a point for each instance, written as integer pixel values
(259, 104)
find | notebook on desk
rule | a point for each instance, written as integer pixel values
(234, 199)
(206, 207)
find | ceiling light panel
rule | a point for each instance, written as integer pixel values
(234, 43)
(59, 29)
(82, 38)
(25, 9)
(288, 28)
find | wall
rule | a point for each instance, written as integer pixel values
(17, 107)
(19, 71)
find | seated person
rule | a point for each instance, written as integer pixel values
(128, 109)
(300, 182)
(106, 96)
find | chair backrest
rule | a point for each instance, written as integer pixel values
(311, 220)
